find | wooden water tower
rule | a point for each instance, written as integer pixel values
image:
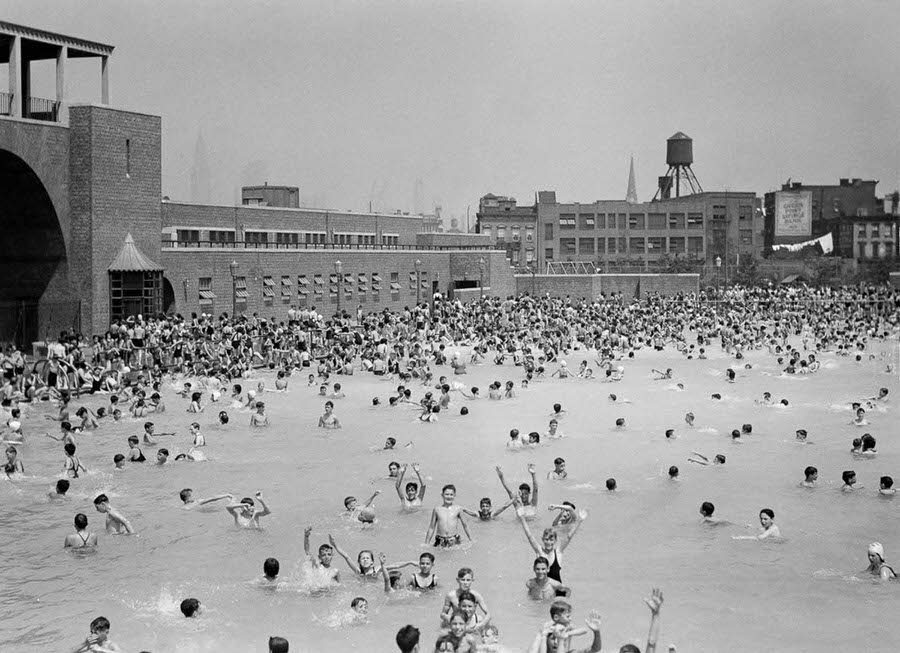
(679, 158)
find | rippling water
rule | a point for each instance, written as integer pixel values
(806, 593)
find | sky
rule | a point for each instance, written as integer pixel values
(354, 101)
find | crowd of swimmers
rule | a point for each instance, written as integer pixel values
(212, 357)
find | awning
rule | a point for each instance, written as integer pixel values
(303, 290)
(395, 285)
(241, 294)
(286, 281)
(207, 294)
(376, 277)
(131, 259)
(303, 281)
(268, 292)
(268, 281)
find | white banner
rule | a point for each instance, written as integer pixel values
(793, 213)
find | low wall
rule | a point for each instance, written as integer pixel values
(895, 279)
(595, 285)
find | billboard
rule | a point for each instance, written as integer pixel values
(793, 213)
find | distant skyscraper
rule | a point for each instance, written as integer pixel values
(200, 173)
(631, 196)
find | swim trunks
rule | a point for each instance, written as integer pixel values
(445, 542)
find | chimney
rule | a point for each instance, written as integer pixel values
(845, 181)
(797, 185)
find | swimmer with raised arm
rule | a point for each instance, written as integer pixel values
(528, 495)
(486, 511)
(245, 512)
(553, 543)
(414, 493)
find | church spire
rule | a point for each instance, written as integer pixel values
(631, 196)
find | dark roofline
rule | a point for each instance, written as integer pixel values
(94, 47)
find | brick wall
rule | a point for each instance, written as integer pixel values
(591, 286)
(117, 186)
(452, 240)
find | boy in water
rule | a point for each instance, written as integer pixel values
(245, 513)
(187, 498)
(116, 524)
(486, 511)
(812, 475)
(527, 494)
(886, 486)
(464, 578)
(559, 472)
(98, 641)
(259, 418)
(445, 521)
(59, 492)
(543, 587)
(415, 493)
(271, 567)
(321, 564)
(366, 514)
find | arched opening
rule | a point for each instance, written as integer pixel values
(168, 297)
(32, 256)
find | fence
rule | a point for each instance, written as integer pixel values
(210, 244)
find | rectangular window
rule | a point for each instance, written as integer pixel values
(268, 289)
(256, 237)
(348, 285)
(219, 236)
(676, 221)
(204, 287)
(875, 232)
(695, 221)
(548, 253)
(695, 245)
(676, 244)
(548, 231)
(395, 285)
(486, 230)
(601, 245)
(286, 286)
(601, 221)
(127, 157)
(656, 245)
(718, 240)
(586, 220)
(636, 221)
(566, 246)
(586, 246)
(622, 221)
(412, 282)
(515, 256)
(611, 245)
(637, 245)
(333, 284)
(287, 238)
(241, 294)
(376, 283)
(515, 232)
(623, 245)
(501, 232)
(187, 235)
(529, 234)
(747, 237)
(656, 221)
(529, 255)
(745, 212)
(566, 221)
(302, 286)
(318, 285)
(719, 212)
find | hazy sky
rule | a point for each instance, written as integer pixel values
(353, 101)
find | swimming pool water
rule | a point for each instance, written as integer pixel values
(806, 593)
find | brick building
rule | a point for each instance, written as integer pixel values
(700, 226)
(850, 211)
(282, 196)
(89, 239)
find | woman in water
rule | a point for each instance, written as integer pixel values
(877, 567)
(13, 464)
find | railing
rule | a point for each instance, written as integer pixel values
(38, 108)
(6, 100)
(209, 244)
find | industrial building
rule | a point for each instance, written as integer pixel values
(699, 225)
(88, 237)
